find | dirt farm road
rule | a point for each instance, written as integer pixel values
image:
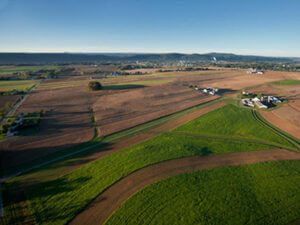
(106, 203)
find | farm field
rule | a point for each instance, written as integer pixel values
(57, 207)
(67, 122)
(19, 85)
(263, 193)
(56, 193)
(137, 113)
(67, 117)
(286, 118)
(114, 166)
(14, 69)
(108, 87)
(231, 121)
(287, 82)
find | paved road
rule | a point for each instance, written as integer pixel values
(108, 201)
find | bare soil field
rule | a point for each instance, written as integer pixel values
(236, 80)
(122, 144)
(8, 99)
(282, 122)
(100, 209)
(67, 122)
(286, 117)
(120, 111)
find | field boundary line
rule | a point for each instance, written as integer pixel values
(90, 147)
(179, 166)
(277, 131)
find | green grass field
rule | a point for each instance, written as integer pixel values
(232, 121)
(19, 85)
(263, 193)
(15, 69)
(57, 201)
(287, 82)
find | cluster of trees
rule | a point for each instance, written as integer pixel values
(40, 74)
(94, 86)
(134, 66)
(29, 120)
(194, 69)
(185, 69)
(12, 92)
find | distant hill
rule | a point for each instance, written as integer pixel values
(36, 58)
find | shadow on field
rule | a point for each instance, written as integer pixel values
(17, 194)
(16, 201)
(8, 166)
(122, 86)
(225, 91)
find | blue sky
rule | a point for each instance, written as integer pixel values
(264, 27)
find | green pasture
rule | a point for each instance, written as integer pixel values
(262, 193)
(287, 82)
(16, 69)
(233, 122)
(59, 200)
(19, 85)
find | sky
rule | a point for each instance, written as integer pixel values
(253, 27)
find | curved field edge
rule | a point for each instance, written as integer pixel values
(58, 201)
(109, 174)
(236, 122)
(280, 132)
(262, 193)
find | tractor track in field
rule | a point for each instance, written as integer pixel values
(110, 199)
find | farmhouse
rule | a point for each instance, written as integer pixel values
(210, 91)
(248, 102)
(254, 72)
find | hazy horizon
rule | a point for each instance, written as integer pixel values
(115, 52)
(267, 28)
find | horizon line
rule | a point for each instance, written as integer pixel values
(129, 52)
